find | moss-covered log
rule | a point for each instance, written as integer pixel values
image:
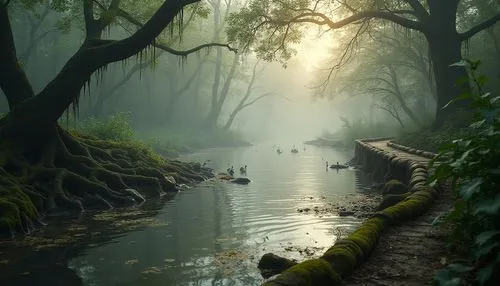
(76, 172)
(343, 257)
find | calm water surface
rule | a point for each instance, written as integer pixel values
(215, 233)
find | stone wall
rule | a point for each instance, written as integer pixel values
(340, 259)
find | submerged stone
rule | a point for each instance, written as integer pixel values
(241, 181)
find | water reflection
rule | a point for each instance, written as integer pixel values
(215, 233)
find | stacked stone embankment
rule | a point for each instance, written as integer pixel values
(385, 162)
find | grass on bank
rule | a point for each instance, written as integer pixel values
(167, 141)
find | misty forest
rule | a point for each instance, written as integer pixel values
(255, 142)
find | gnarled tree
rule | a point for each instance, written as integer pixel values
(270, 26)
(43, 166)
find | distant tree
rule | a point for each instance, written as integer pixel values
(247, 100)
(271, 26)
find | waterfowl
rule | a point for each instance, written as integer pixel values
(243, 170)
(230, 171)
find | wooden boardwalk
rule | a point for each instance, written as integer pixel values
(407, 254)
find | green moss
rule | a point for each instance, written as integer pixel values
(394, 187)
(342, 258)
(355, 249)
(390, 200)
(15, 205)
(315, 272)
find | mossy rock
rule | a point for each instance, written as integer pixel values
(394, 187)
(353, 246)
(314, 272)
(390, 200)
(271, 264)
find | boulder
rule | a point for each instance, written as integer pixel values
(335, 166)
(394, 187)
(390, 200)
(241, 181)
(271, 264)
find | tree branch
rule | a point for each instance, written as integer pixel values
(63, 90)
(420, 11)
(166, 48)
(257, 98)
(13, 80)
(479, 27)
(312, 17)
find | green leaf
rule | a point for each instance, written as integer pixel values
(489, 115)
(459, 268)
(463, 158)
(488, 207)
(494, 99)
(483, 237)
(485, 274)
(446, 277)
(462, 96)
(461, 63)
(470, 188)
(482, 80)
(484, 250)
(477, 124)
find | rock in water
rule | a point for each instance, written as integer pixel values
(335, 166)
(241, 181)
(271, 264)
(394, 187)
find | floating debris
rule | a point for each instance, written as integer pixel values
(152, 270)
(131, 261)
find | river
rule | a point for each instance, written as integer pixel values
(213, 233)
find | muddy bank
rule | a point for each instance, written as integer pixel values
(333, 143)
(356, 205)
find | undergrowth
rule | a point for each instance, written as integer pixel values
(472, 165)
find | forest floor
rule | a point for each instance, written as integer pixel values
(410, 253)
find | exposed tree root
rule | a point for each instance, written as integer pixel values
(78, 172)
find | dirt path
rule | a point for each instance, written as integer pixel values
(407, 254)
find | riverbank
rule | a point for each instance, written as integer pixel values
(348, 254)
(332, 143)
(358, 205)
(88, 173)
(409, 253)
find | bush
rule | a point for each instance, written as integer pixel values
(472, 165)
(116, 127)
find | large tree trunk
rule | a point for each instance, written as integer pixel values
(445, 48)
(42, 166)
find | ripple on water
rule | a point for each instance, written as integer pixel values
(216, 232)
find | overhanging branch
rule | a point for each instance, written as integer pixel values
(322, 19)
(420, 11)
(479, 27)
(123, 14)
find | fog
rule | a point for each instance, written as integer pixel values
(194, 96)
